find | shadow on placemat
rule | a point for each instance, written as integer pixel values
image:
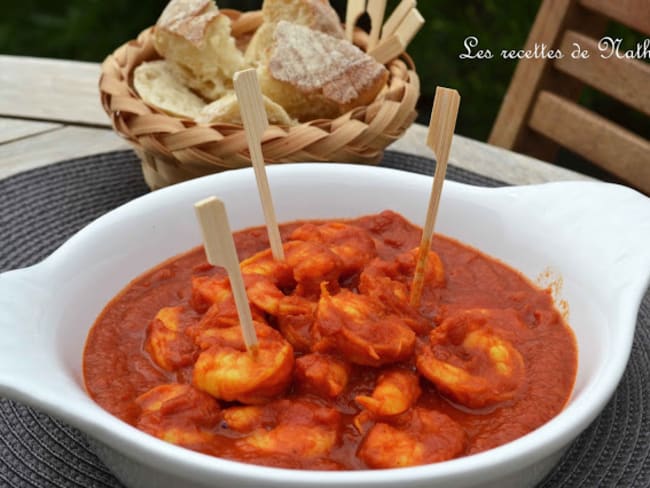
(41, 208)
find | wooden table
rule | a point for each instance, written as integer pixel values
(50, 111)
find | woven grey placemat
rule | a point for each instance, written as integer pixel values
(39, 451)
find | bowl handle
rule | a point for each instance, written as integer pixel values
(611, 221)
(24, 303)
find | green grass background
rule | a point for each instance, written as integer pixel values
(90, 29)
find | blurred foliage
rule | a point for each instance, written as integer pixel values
(482, 83)
(90, 29)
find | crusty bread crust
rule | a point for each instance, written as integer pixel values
(299, 105)
(196, 39)
(315, 14)
(188, 19)
(327, 20)
(314, 63)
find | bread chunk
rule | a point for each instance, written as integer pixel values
(188, 19)
(226, 110)
(195, 38)
(315, 14)
(314, 75)
(157, 86)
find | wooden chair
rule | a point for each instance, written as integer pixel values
(540, 114)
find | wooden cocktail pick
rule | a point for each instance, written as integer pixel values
(410, 26)
(441, 131)
(253, 114)
(391, 46)
(396, 18)
(388, 49)
(355, 9)
(376, 10)
(220, 251)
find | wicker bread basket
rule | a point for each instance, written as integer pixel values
(174, 149)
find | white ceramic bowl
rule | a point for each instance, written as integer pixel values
(595, 236)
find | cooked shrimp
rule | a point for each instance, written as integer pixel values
(210, 290)
(225, 336)
(351, 244)
(396, 391)
(294, 314)
(380, 282)
(216, 317)
(264, 264)
(361, 329)
(322, 374)
(298, 429)
(380, 278)
(221, 314)
(392, 280)
(243, 419)
(313, 264)
(434, 271)
(417, 437)
(307, 265)
(230, 372)
(292, 440)
(263, 277)
(179, 414)
(281, 290)
(470, 361)
(273, 287)
(295, 318)
(264, 293)
(166, 343)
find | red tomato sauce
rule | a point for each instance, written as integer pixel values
(483, 360)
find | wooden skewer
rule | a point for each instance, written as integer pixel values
(388, 49)
(376, 10)
(354, 11)
(396, 18)
(253, 114)
(410, 26)
(220, 251)
(441, 130)
(391, 47)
